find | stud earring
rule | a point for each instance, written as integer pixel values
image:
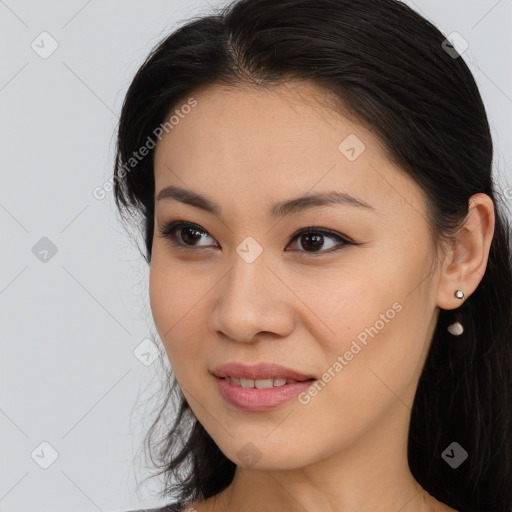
(456, 329)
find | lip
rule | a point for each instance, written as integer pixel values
(259, 400)
(258, 371)
(254, 399)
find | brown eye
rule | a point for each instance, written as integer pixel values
(314, 240)
(189, 235)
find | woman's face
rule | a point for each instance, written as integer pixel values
(241, 287)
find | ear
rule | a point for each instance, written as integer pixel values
(465, 262)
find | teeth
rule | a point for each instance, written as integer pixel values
(260, 383)
(247, 383)
(264, 383)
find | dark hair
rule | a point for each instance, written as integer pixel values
(391, 69)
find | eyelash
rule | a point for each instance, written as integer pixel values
(167, 232)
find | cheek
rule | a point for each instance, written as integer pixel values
(377, 339)
(161, 291)
(168, 301)
(177, 304)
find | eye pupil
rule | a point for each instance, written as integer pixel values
(315, 240)
(193, 238)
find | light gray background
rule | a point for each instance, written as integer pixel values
(70, 325)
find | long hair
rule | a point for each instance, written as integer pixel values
(393, 71)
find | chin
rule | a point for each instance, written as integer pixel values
(265, 456)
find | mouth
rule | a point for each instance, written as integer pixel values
(259, 387)
(262, 383)
(259, 395)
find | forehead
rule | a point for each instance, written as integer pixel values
(289, 114)
(275, 143)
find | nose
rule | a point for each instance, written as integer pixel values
(252, 301)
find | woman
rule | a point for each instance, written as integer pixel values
(330, 264)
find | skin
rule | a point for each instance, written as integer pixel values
(246, 149)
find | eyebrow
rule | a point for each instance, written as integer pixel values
(281, 209)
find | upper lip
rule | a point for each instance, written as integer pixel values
(258, 371)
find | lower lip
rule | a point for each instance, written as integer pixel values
(258, 400)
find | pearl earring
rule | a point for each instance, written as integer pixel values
(456, 329)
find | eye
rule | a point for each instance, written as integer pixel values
(189, 233)
(311, 238)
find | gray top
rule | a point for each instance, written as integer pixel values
(172, 507)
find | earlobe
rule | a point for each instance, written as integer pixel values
(465, 263)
